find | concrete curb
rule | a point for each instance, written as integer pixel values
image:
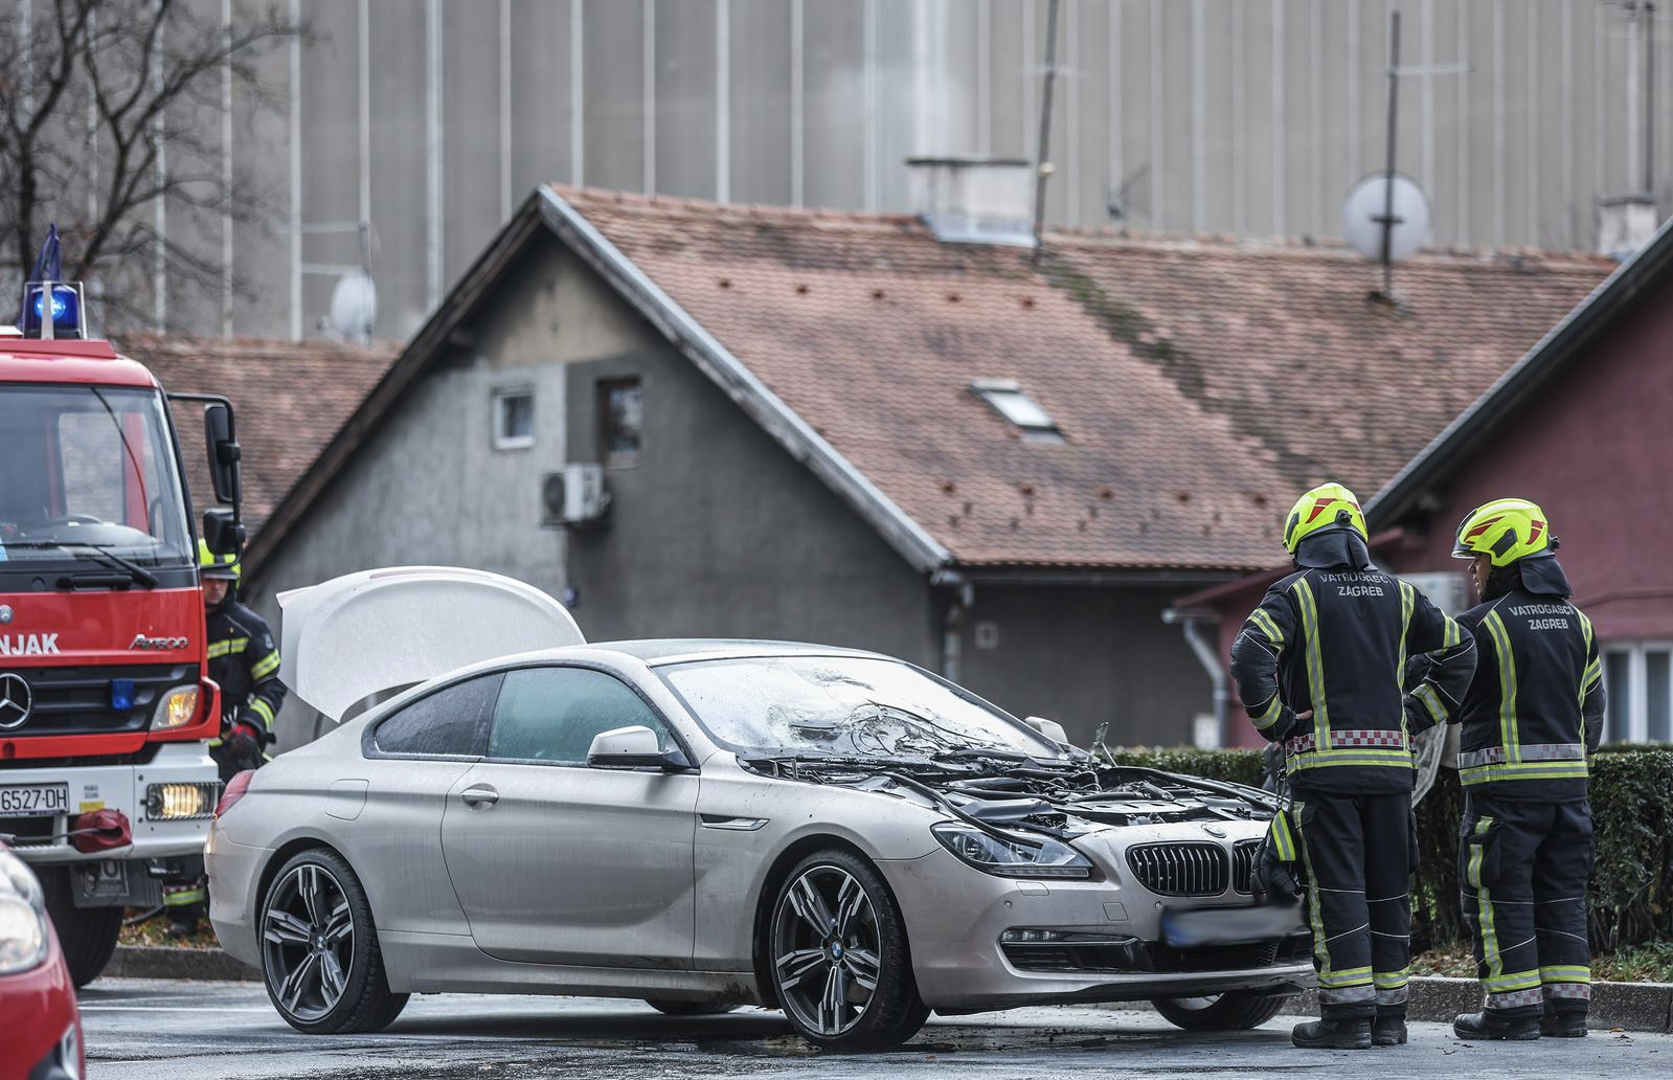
(177, 962)
(1629, 1006)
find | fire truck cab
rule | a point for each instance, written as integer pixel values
(106, 786)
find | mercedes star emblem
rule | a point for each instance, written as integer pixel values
(5, 613)
(15, 700)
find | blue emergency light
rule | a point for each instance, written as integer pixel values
(65, 307)
(121, 694)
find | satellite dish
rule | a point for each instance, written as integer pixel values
(354, 306)
(1367, 204)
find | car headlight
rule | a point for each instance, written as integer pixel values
(175, 708)
(23, 926)
(1010, 855)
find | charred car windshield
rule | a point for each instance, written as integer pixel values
(841, 706)
(89, 472)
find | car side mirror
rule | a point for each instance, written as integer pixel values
(224, 452)
(1051, 729)
(224, 534)
(635, 747)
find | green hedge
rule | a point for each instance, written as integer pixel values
(1632, 806)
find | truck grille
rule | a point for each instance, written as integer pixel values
(77, 700)
(1190, 868)
(1243, 864)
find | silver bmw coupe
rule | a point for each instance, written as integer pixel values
(702, 824)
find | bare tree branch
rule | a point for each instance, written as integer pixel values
(111, 85)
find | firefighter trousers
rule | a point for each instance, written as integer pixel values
(1522, 872)
(1356, 851)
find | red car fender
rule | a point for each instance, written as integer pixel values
(40, 1007)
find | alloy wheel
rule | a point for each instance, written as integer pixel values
(308, 941)
(825, 950)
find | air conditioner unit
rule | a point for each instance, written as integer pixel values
(1447, 590)
(573, 497)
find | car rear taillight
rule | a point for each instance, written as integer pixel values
(235, 789)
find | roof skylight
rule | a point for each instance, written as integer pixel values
(1008, 400)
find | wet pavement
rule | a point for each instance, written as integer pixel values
(149, 1029)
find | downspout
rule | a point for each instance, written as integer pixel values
(1193, 622)
(952, 624)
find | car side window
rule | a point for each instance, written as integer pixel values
(551, 714)
(452, 722)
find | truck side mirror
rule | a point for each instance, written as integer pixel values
(224, 453)
(222, 533)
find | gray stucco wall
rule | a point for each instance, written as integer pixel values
(1083, 655)
(428, 487)
(718, 532)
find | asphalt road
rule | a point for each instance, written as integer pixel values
(146, 1029)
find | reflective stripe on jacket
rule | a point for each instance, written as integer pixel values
(1336, 642)
(1534, 711)
(244, 660)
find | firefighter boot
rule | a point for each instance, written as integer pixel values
(1484, 1025)
(1563, 1025)
(1332, 1035)
(1388, 1031)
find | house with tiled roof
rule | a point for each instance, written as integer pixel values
(846, 428)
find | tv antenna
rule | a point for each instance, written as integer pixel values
(1386, 216)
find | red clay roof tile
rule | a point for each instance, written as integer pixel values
(289, 398)
(1199, 385)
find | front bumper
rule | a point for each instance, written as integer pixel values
(955, 917)
(123, 788)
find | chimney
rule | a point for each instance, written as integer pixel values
(1625, 224)
(975, 200)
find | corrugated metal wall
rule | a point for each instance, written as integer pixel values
(434, 117)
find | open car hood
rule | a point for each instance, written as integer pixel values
(362, 638)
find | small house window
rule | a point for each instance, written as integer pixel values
(1006, 398)
(620, 415)
(513, 419)
(1638, 683)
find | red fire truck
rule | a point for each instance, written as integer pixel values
(106, 787)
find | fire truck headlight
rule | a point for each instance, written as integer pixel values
(180, 802)
(175, 708)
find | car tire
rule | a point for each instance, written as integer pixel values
(320, 957)
(1234, 1010)
(86, 936)
(832, 928)
(689, 1008)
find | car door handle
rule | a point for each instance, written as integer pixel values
(479, 796)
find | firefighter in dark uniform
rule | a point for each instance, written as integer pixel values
(1319, 666)
(244, 662)
(1531, 720)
